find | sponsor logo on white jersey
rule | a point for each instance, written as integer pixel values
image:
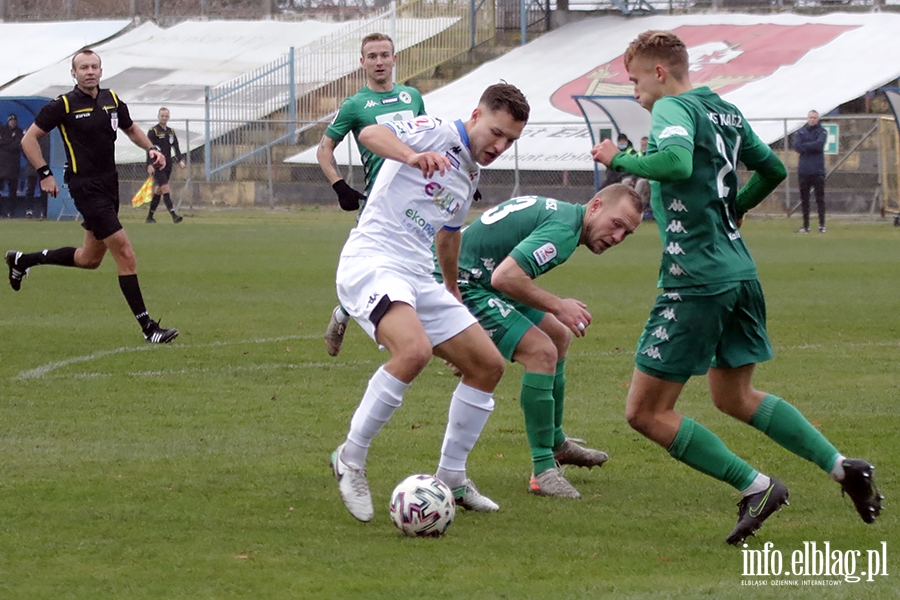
(653, 352)
(673, 296)
(370, 104)
(672, 131)
(674, 248)
(677, 206)
(550, 204)
(405, 98)
(661, 333)
(675, 270)
(668, 313)
(545, 254)
(675, 226)
(442, 197)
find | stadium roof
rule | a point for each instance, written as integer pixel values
(770, 66)
(29, 47)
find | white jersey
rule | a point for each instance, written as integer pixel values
(404, 210)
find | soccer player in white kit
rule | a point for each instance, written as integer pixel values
(421, 197)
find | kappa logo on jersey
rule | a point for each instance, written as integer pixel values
(661, 333)
(723, 57)
(405, 98)
(672, 131)
(550, 204)
(370, 104)
(668, 313)
(372, 299)
(488, 263)
(674, 248)
(673, 296)
(545, 254)
(653, 352)
(676, 270)
(455, 149)
(675, 226)
(677, 206)
(389, 100)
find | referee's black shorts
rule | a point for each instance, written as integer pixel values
(161, 176)
(97, 199)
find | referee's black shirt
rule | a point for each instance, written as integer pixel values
(165, 139)
(88, 128)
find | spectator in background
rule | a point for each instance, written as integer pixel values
(644, 141)
(613, 176)
(10, 158)
(809, 141)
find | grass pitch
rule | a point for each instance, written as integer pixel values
(199, 469)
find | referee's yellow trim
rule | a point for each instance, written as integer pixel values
(66, 102)
(62, 129)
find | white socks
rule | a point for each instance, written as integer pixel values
(759, 485)
(469, 412)
(837, 471)
(383, 396)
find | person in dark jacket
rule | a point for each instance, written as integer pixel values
(10, 159)
(612, 176)
(809, 141)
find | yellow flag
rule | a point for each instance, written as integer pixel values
(144, 195)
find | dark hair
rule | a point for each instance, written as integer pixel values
(503, 96)
(660, 46)
(622, 136)
(84, 51)
(375, 37)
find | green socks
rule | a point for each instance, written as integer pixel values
(786, 425)
(559, 395)
(698, 447)
(538, 406)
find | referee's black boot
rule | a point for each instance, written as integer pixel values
(150, 218)
(154, 334)
(176, 218)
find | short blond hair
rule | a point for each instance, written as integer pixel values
(660, 47)
(375, 37)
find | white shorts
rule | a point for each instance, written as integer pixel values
(363, 281)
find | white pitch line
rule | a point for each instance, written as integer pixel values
(39, 372)
(229, 369)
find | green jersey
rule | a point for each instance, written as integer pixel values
(538, 233)
(701, 242)
(366, 107)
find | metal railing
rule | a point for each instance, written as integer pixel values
(308, 84)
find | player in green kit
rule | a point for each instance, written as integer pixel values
(501, 254)
(711, 317)
(379, 101)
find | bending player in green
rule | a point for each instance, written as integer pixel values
(379, 101)
(711, 317)
(501, 254)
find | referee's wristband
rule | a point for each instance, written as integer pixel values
(44, 172)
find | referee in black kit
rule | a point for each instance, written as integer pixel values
(88, 118)
(163, 137)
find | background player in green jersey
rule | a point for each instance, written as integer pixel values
(500, 255)
(711, 315)
(379, 101)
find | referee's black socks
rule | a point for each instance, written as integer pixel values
(132, 292)
(64, 257)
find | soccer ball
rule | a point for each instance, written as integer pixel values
(422, 506)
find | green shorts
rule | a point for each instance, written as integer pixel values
(504, 319)
(691, 329)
